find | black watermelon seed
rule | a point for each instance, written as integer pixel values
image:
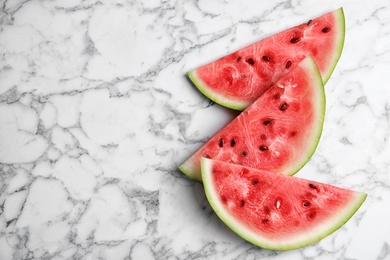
(312, 214)
(233, 142)
(221, 142)
(267, 122)
(255, 181)
(309, 22)
(242, 203)
(243, 154)
(288, 64)
(326, 29)
(250, 61)
(283, 106)
(294, 40)
(266, 220)
(311, 185)
(306, 203)
(238, 58)
(266, 58)
(263, 148)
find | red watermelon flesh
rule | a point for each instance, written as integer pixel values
(278, 132)
(238, 79)
(276, 211)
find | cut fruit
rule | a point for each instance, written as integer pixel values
(238, 79)
(275, 211)
(278, 132)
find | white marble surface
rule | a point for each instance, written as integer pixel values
(96, 114)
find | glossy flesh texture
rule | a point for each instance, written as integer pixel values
(278, 132)
(238, 79)
(276, 211)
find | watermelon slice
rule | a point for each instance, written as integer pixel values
(278, 132)
(238, 79)
(275, 211)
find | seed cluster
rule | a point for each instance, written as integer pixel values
(311, 213)
(294, 40)
(266, 122)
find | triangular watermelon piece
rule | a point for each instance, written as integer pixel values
(278, 132)
(275, 211)
(238, 79)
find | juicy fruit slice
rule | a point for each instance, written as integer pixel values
(276, 211)
(238, 79)
(278, 132)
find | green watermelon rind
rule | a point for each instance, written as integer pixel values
(306, 239)
(187, 169)
(239, 105)
(190, 170)
(340, 22)
(214, 96)
(311, 65)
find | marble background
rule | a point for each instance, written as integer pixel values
(96, 114)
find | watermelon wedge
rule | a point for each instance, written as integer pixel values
(278, 132)
(238, 79)
(275, 211)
